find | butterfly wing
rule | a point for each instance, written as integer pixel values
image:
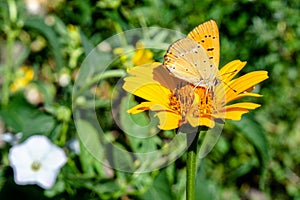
(188, 60)
(207, 35)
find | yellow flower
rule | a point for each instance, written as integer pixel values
(177, 103)
(23, 76)
(142, 55)
(119, 51)
(74, 35)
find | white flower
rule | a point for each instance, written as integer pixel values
(11, 138)
(36, 161)
(74, 145)
(64, 79)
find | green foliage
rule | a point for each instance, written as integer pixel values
(23, 117)
(255, 158)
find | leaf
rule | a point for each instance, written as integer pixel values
(90, 139)
(91, 70)
(39, 25)
(204, 189)
(160, 188)
(87, 45)
(255, 133)
(23, 117)
(93, 154)
(209, 140)
(139, 128)
(105, 190)
(122, 158)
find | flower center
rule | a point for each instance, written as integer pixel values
(191, 102)
(174, 103)
(36, 165)
(205, 104)
(185, 96)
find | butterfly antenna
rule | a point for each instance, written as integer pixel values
(226, 83)
(229, 72)
(229, 87)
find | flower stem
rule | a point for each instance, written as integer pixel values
(97, 78)
(11, 35)
(7, 71)
(192, 139)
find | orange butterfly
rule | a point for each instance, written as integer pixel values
(195, 58)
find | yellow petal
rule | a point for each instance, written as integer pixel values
(150, 92)
(140, 108)
(231, 69)
(159, 107)
(142, 56)
(168, 120)
(247, 94)
(207, 121)
(144, 71)
(235, 113)
(141, 84)
(246, 105)
(244, 82)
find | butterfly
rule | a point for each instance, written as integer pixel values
(195, 58)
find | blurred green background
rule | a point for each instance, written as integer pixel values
(255, 158)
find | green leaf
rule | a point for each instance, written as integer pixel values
(255, 133)
(39, 25)
(139, 128)
(122, 158)
(92, 152)
(105, 190)
(90, 139)
(160, 188)
(205, 189)
(243, 169)
(23, 117)
(87, 45)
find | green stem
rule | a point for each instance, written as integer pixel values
(11, 36)
(97, 78)
(63, 134)
(192, 139)
(7, 70)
